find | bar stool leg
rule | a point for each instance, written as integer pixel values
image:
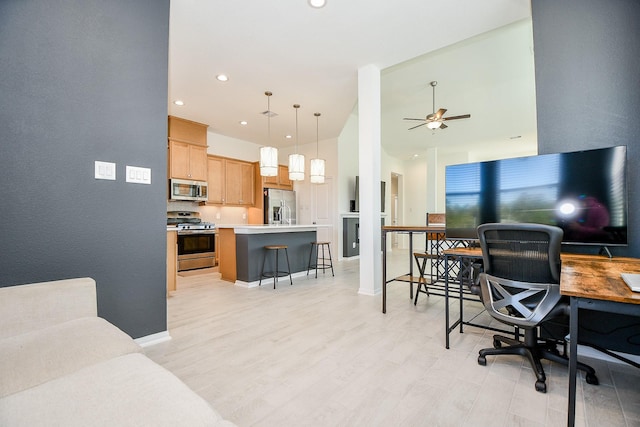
(262, 272)
(310, 255)
(286, 253)
(330, 260)
(275, 271)
(318, 256)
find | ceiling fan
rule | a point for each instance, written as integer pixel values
(435, 119)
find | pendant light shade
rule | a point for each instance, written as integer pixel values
(268, 155)
(296, 167)
(316, 174)
(268, 161)
(317, 171)
(296, 161)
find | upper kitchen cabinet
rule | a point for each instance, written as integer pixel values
(187, 161)
(281, 181)
(215, 180)
(231, 181)
(239, 183)
(187, 149)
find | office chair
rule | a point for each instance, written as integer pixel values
(520, 286)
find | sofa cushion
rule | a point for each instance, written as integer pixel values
(129, 390)
(26, 308)
(36, 357)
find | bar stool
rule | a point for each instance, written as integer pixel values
(275, 273)
(323, 265)
(423, 283)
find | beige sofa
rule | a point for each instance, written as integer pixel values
(61, 365)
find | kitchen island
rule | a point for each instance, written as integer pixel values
(241, 250)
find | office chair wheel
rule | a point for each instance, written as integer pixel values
(482, 361)
(497, 343)
(541, 386)
(592, 379)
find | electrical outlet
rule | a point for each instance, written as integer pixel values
(354, 245)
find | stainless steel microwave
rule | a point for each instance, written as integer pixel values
(183, 189)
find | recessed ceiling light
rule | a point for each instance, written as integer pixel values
(222, 77)
(288, 136)
(243, 122)
(317, 3)
(178, 102)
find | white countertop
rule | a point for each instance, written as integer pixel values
(265, 229)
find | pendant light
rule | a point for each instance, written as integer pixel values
(296, 161)
(268, 155)
(316, 174)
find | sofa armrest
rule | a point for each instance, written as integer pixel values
(24, 308)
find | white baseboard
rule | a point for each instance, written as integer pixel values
(368, 293)
(153, 339)
(269, 280)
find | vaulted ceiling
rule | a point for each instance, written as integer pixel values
(311, 57)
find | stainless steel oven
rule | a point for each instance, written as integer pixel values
(196, 249)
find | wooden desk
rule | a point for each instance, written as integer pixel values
(437, 231)
(594, 283)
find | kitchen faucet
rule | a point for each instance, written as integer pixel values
(285, 213)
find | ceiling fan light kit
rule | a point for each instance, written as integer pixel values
(436, 120)
(434, 125)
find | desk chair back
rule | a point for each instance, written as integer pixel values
(520, 282)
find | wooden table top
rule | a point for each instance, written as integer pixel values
(598, 277)
(586, 276)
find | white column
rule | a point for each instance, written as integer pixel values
(369, 183)
(431, 187)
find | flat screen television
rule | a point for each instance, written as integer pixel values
(583, 192)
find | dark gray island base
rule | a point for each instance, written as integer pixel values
(249, 251)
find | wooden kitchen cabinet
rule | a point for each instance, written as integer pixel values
(231, 181)
(187, 149)
(215, 179)
(281, 181)
(172, 260)
(239, 186)
(187, 161)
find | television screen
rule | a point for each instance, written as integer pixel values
(583, 192)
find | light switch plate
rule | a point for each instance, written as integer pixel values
(138, 175)
(105, 170)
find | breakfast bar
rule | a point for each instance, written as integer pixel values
(241, 249)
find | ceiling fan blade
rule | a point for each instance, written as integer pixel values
(463, 116)
(443, 126)
(439, 113)
(408, 118)
(422, 124)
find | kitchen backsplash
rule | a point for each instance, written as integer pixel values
(215, 214)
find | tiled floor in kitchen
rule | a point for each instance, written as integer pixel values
(318, 354)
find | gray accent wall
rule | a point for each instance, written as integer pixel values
(83, 81)
(587, 61)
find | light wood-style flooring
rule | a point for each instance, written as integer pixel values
(318, 354)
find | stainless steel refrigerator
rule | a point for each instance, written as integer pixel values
(279, 206)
